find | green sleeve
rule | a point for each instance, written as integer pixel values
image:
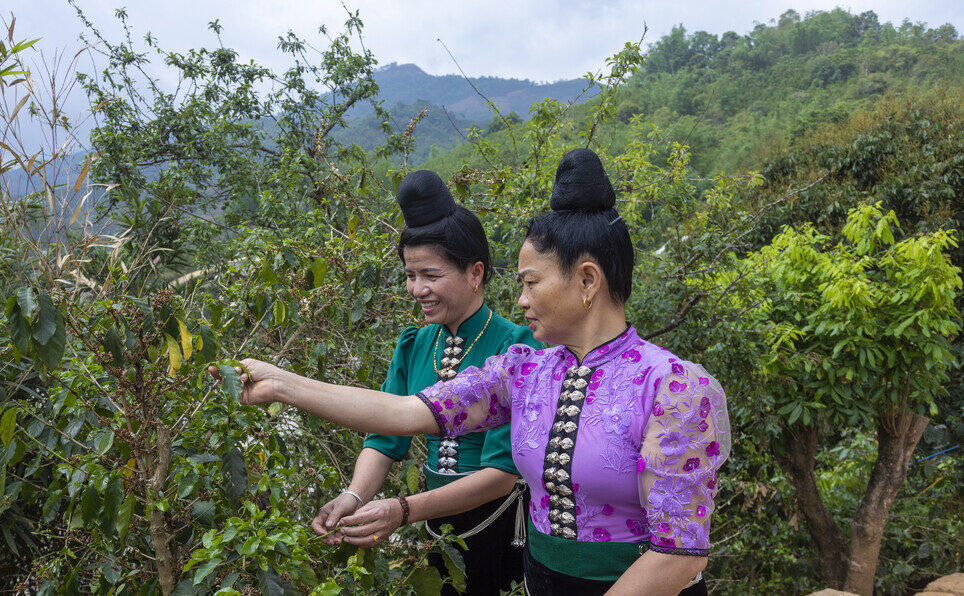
(497, 447)
(395, 382)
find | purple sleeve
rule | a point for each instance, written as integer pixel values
(477, 399)
(686, 440)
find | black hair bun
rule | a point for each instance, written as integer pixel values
(424, 198)
(582, 184)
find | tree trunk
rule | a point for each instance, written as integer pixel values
(831, 545)
(897, 437)
(159, 534)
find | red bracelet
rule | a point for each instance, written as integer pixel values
(405, 509)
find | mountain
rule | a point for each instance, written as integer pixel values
(736, 99)
(409, 84)
(453, 105)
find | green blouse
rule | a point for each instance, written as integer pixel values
(412, 370)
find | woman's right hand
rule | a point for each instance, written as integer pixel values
(330, 514)
(261, 384)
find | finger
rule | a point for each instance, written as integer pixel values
(365, 540)
(358, 531)
(333, 539)
(318, 524)
(362, 516)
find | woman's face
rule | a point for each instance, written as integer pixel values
(551, 300)
(446, 294)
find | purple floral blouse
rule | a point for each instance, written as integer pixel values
(624, 446)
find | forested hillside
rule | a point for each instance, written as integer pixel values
(736, 98)
(794, 195)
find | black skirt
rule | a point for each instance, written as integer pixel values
(491, 563)
(542, 581)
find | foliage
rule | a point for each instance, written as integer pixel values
(234, 222)
(737, 99)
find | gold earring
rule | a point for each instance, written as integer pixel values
(476, 290)
(587, 302)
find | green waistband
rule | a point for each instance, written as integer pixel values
(434, 480)
(603, 561)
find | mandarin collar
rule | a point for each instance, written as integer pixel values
(472, 326)
(609, 350)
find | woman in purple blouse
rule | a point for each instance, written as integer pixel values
(619, 440)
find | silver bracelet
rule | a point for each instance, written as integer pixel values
(354, 494)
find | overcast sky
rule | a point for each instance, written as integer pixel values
(540, 40)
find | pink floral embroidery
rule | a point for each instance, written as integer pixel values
(677, 368)
(667, 542)
(677, 387)
(528, 367)
(691, 464)
(600, 535)
(607, 509)
(703, 426)
(640, 464)
(632, 355)
(636, 527)
(544, 502)
(704, 381)
(713, 449)
(704, 407)
(700, 511)
(657, 409)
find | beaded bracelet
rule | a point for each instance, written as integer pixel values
(405, 509)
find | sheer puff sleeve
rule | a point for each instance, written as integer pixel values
(477, 399)
(686, 440)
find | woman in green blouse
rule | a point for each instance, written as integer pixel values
(446, 259)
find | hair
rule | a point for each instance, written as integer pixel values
(460, 236)
(601, 235)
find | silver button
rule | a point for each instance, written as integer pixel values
(569, 427)
(580, 383)
(562, 475)
(566, 518)
(549, 473)
(564, 459)
(562, 489)
(552, 457)
(555, 528)
(558, 426)
(554, 499)
(551, 487)
(554, 441)
(568, 533)
(572, 370)
(572, 411)
(459, 341)
(566, 444)
(456, 351)
(566, 503)
(567, 383)
(583, 371)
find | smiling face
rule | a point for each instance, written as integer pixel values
(552, 300)
(446, 294)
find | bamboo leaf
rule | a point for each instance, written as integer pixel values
(83, 173)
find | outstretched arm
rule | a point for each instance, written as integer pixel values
(360, 409)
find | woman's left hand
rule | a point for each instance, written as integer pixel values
(373, 523)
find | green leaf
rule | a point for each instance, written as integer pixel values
(124, 516)
(52, 352)
(234, 474)
(115, 348)
(250, 546)
(8, 422)
(48, 320)
(319, 268)
(412, 478)
(271, 584)
(454, 565)
(230, 381)
(113, 497)
(209, 345)
(203, 513)
(206, 569)
(19, 329)
(90, 504)
(329, 588)
(27, 301)
(426, 581)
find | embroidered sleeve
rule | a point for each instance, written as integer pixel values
(477, 399)
(686, 439)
